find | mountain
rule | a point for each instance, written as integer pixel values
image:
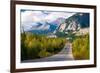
(62, 25)
(75, 22)
(45, 27)
(82, 18)
(58, 21)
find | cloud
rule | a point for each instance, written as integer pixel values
(55, 15)
(30, 18)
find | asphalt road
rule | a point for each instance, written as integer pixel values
(64, 55)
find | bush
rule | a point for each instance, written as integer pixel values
(38, 46)
(80, 47)
(44, 53)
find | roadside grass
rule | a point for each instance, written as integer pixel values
(80, 47)
(38, 46)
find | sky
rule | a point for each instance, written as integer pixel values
(29, 18)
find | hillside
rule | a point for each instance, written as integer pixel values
(74, 24)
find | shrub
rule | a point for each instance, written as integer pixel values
(80, 47)
(44, 53)
(38, 46)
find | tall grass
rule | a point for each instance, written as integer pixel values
(38, 46)
(80, 47)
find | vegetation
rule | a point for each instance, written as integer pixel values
(80, 47)
(37, 46)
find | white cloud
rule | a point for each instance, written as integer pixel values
(29, 18)
(54, 15)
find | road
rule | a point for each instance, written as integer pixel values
(64, 55)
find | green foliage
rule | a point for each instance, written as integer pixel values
(44, 53)
(80, 47)
(61, 34)
(36, 46)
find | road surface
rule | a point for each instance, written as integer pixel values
(64, 55)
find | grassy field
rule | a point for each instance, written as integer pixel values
(37, 46)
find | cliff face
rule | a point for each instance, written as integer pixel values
(75, 23)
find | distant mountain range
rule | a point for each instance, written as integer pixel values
(75, 22)
(41, 26)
